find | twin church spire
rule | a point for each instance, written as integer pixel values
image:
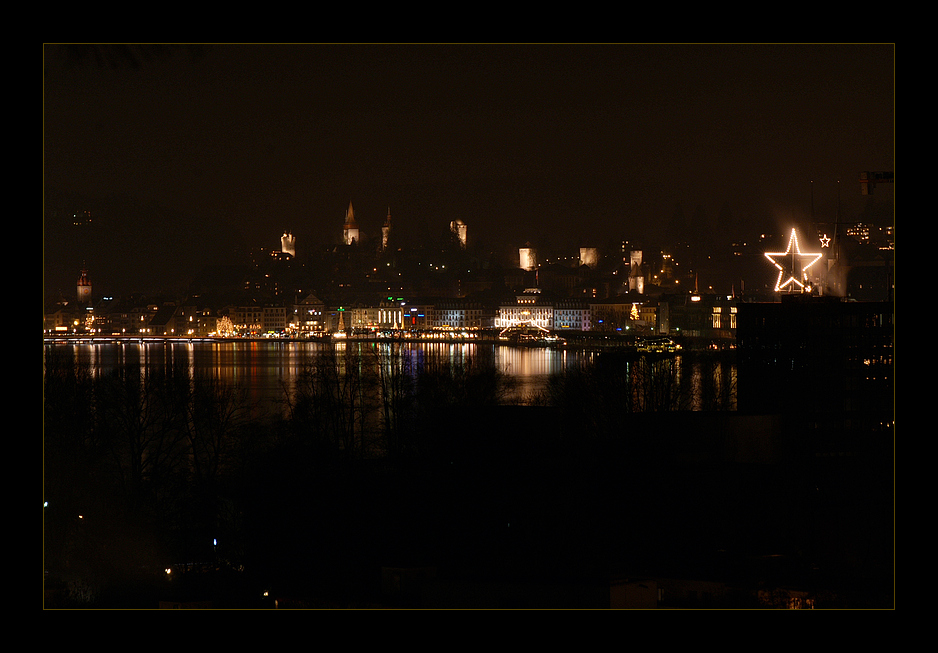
(351, 234)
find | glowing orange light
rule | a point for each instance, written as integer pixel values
(797, 262)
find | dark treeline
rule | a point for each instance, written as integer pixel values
(383, 459)
(138, 468)
(150, 467)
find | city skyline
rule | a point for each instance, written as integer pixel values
(222, 146)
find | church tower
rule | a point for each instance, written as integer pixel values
(458, 227)
(84, 288)
(350, 233)
(386, 231)
(288, 243)
(636, 272)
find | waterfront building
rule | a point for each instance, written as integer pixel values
(648, 315)
(307, 318)
(274, 318)
(247, 319)
(418, 316)
(698, 315)
(123, 316)
(61, 319)
(390, 315)
(461, 315)
(193, 319)
(530, 307)
(359, 317)
(162, 322)
(572, 315)
(615, 314)
(256, 318)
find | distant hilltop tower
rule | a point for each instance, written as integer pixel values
(636, 277)
(350, 233)
(84, 288)
(288, 243)
(527, 258)
(589, 256)
(385, 230)
(459, 229)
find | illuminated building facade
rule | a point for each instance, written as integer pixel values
(418, 316)
(860, 231)
(360, 318)
(391, 315)
(698, 315)
(247, 319)
(724, 317)
(259, 319)
(307, 318)
(527, 258)
(572, 315)
(529, 308)
(461, 315)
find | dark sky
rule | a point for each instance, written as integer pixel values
(578, 143)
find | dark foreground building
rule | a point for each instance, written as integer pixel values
(817, 355)
(824, 367)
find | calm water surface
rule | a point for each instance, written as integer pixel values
(267, 370)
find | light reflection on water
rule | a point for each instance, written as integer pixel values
(268, 370)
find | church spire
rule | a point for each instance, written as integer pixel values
(350, 233)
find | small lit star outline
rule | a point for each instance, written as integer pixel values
(796, 259)
(825, 241)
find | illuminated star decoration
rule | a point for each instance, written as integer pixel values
(792, 262)
(825, 241)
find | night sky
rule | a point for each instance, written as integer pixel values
(196, 151)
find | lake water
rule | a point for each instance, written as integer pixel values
(267, 370)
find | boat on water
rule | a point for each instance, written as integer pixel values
(529, 335)
(661, 344)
